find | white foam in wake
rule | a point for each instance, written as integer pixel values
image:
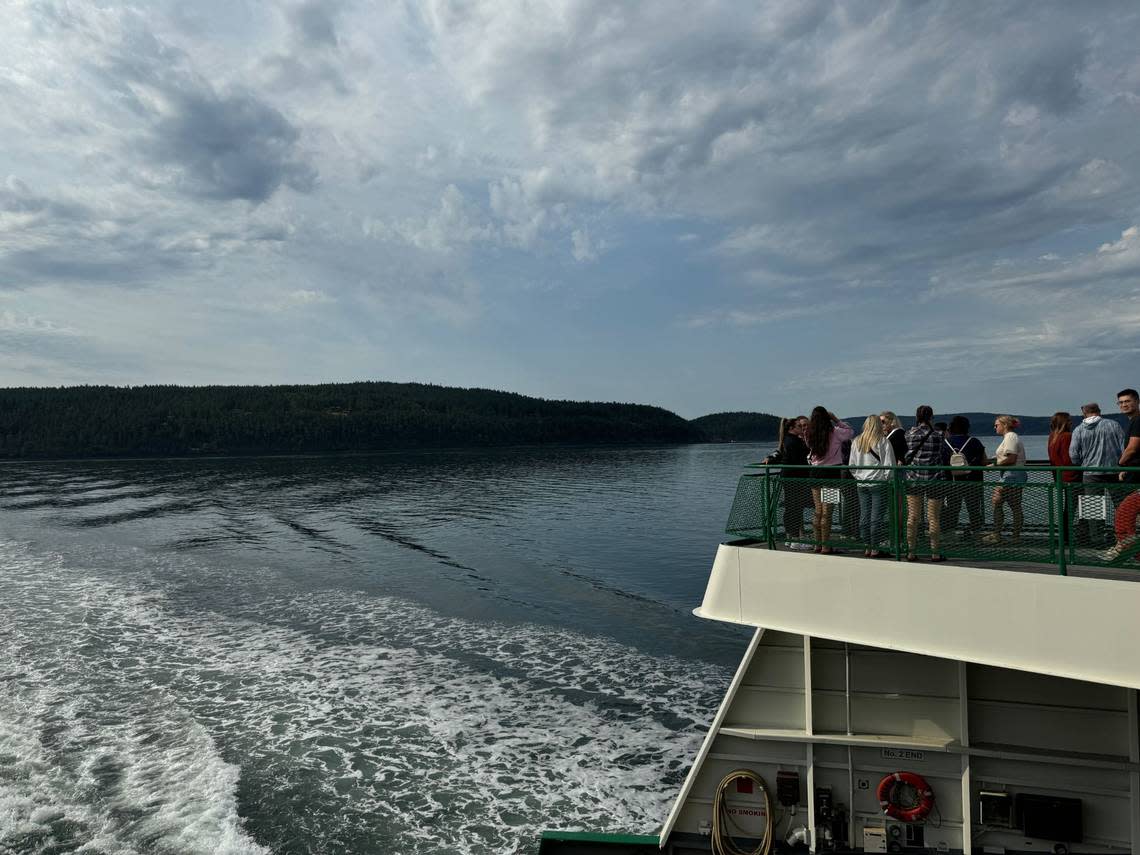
(357, 721)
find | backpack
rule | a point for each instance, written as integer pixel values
(958, 457)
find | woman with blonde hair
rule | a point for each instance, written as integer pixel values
(1010, 453)
(872, 448)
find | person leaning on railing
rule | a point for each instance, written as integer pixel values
(924, 449)
(1011, 454)
(825, 438)
(793, 451)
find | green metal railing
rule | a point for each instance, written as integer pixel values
(1029, 514)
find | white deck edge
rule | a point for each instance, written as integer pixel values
(710, 737)
(1063, 626)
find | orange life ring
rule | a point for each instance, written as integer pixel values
(888, 790)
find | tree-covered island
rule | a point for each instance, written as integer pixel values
(142, 421)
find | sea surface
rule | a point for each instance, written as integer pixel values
(403, 653)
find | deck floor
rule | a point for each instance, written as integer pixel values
(1122, 573)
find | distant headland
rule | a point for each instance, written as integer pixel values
(177, 421)
(330, 418)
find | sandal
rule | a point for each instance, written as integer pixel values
(910, 556)
(866, 553)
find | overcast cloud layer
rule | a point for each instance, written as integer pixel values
(702, 205)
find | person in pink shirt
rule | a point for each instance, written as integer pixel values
(826, 435)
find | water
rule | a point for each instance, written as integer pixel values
(394, 654)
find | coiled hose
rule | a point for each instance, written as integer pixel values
(722, 842)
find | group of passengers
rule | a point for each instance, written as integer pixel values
(831, 448)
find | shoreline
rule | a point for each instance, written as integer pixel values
(451, 449)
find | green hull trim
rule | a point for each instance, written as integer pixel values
(585, 842)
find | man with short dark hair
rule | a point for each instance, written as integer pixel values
(1129, 403)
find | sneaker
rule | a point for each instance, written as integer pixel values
(1112, 553)
(802, 547)
(992, 538)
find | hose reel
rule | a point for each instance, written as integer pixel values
(723, 825)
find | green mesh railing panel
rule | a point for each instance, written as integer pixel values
(1023, 514)
(748, 518)
(988, 520)
(1100, 524)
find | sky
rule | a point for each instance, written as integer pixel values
(701, 205)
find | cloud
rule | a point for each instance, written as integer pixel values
(49, 350)
(743, 318)
(16, 323)
(228, 147)
(582, 247)
(221, 145)
(781, 121)
(111, 238)
(21, 209)
(519, 205)
(1033, 319)
(1052, 77)
(51, 239)
(454, 223)
(313, 22)
(312, 56)
(299, 299)
(1113, 270)
(825, 165)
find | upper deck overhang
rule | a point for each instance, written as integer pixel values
(1080, 628)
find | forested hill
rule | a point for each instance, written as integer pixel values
(738, 427)
(102, 421)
